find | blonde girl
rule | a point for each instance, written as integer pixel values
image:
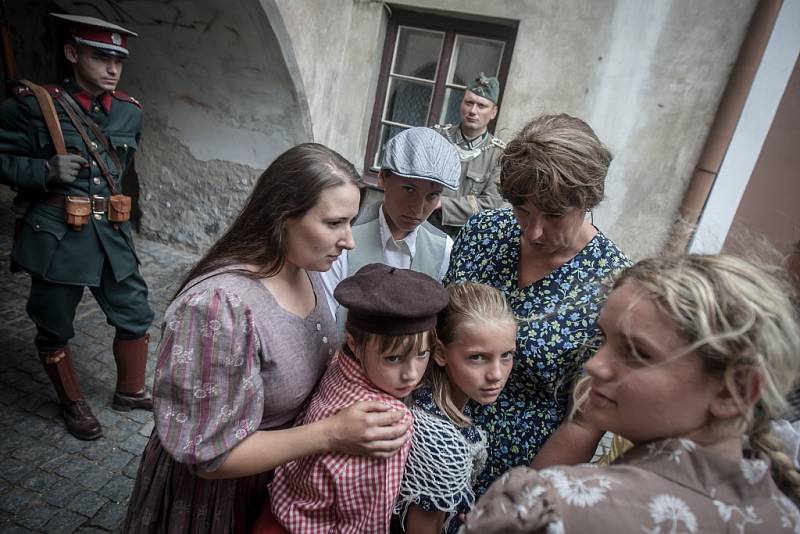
(698, 357)
(474, 356)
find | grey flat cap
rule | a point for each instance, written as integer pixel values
(424, 154)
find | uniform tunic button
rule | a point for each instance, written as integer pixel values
(36, 226)
(96, 180)
(324, 339)
(124, 145)
(94, 163)
(94, 145)
(319, 327)
(97, 216)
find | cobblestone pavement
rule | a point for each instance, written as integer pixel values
(49, 481)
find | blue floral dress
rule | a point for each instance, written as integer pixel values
(557, 331)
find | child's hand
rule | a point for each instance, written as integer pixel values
(369, 428)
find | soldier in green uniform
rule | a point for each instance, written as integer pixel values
(479, 151)
(100, 139)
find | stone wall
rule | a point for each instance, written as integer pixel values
(220, 105)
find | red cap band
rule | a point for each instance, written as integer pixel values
(100, 38)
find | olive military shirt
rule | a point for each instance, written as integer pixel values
(480, 179)
(46, 246)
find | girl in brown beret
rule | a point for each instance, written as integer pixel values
(390, 334)
(698, 355)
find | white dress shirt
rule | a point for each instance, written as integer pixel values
(396, 253)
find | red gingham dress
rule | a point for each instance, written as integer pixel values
(335, 492)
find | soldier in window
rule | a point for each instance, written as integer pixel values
(479, 151)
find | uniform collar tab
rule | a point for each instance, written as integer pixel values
(470, 144)
(85, 99)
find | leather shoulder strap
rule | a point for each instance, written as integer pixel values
(90, 146)
(49, 114)
(65, 97)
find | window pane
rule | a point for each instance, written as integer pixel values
(474, 55)
(387, 132)
(417, 52)
(408, 102)
(450, 107)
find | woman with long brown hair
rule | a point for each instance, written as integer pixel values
(244, 342)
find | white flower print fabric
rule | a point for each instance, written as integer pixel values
(670, 486)
(579, 491)
(673, 512)
(754, 470)
(232, 361)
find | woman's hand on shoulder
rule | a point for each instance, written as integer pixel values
(369, 428)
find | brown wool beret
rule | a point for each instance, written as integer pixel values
(391, 301)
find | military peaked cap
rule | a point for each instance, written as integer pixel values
(97, 33)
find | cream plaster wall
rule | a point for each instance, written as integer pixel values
(646, 75)
(227, 88)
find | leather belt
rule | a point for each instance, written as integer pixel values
(99, 204)
(54, 200)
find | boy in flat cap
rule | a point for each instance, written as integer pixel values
(479, 151)
(390, 335)
(74, 231)
(418, 164)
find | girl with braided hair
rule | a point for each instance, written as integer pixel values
(474, 356)
(698, 356)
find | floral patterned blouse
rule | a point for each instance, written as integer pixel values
(672, 485)
(232, 361)
(558, 316)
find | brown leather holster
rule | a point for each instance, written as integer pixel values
(58, 366)
(131, 358)
(77, 211)
(119, 208)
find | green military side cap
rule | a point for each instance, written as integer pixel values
(485, 86)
